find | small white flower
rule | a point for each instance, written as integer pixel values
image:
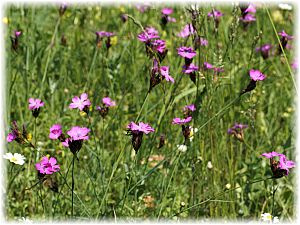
(228, 186)
(25, 220)
(209, 165)
(182, 148)
(285, 6)
(267, 217)
(15, 158)
(192, 132)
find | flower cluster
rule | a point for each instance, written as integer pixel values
(35, 105)
(18, 136)
(104, 109)
(248, 14)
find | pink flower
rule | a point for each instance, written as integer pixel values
(104, 34)
(285, 164)
(143, 7)
(148, 34)
(251, 9)
(186, 31)
(248, 18)
(256, 75)
(164, 70)
(158, 45)
(203, 42)
(55, 131)
(215, 14)
(78, 133)
(35, 103)
(181, 121)
(295, 64)
(108, 102)
(47, 166)
(190, 68)
(81, 102)
(141, 127)
(17, 33)
(285, 35)
(186, 52)
(189, 108)
(270, 155)
(11, 136)
(208, 66)
(167, 11)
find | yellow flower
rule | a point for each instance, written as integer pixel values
(29, 137)
(5, 20)
(82, 113)
(277, 16)
(114, 40)
(122, 9)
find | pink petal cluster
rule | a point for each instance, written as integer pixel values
(186, 52)
(181, 121)
(251, 9)
(108, 102)
(158, 45)
(164, 70)
(104, 34)
(285, 35)
(17, 33)
(10, 137)
(215, 14)
(284, 164)
(148, 34)
(81, 102)
(141, 127)
(47, 166)
(186, 31)
(248, 18)
(191, 107)
(55, 131)
(79, 133)
(35, 103)
(256, 75)
(190, 68)
(167, 11)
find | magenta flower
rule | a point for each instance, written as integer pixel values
(104, 34)
(164, 70)
(270, 155)
(35, 103)
(137, 131)
(250, 9)
(191, 108)
(81, 103)
(208, 66)
(256, 75)
(167, 11)
(47, 166)
(79, 133)
(158, 45)
(279, 168)
(10, 137)
(285, 35)
(108, 102)
(215, 14)
(186, 31)
(248, 18)
(17, 33)
(141, 127)
(186, 52)
(143, 7)
(237, 131)
(148, 34)
(55, 132)
(182, 121)
(264, 50)
(203, 42)
(190, 68)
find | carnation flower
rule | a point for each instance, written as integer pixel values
(15, 158)
(181, 121)
(55, 131)
(207, 66)
(248, 18)
(264, 50)
(148, 34)
(279, 168)
(164, 70)
(167, 11)
(186, 52)
(285, 35)
(34, 106)
(47, 166)
(256, 75)
(237, 131)
(76, 137)
(81, 103)
(186, 31)
(215, 14)
(19, 136)
(137, 131)
(108, 102)
(190, 68)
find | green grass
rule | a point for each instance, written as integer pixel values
(110, 180)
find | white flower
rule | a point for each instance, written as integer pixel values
(209, 165)
(267, 217)
(182, 148)
(25, 220)
(228, 186)
(15, 158)
(192, 132)
(285, 6)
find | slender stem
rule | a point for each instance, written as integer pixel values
(273, 198)
(91, 67)
(145, 99)
(73, 184)
(287, 62)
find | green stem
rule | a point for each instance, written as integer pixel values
(145, 99)
(73, 184)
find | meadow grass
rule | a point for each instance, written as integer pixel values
(214, 179)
